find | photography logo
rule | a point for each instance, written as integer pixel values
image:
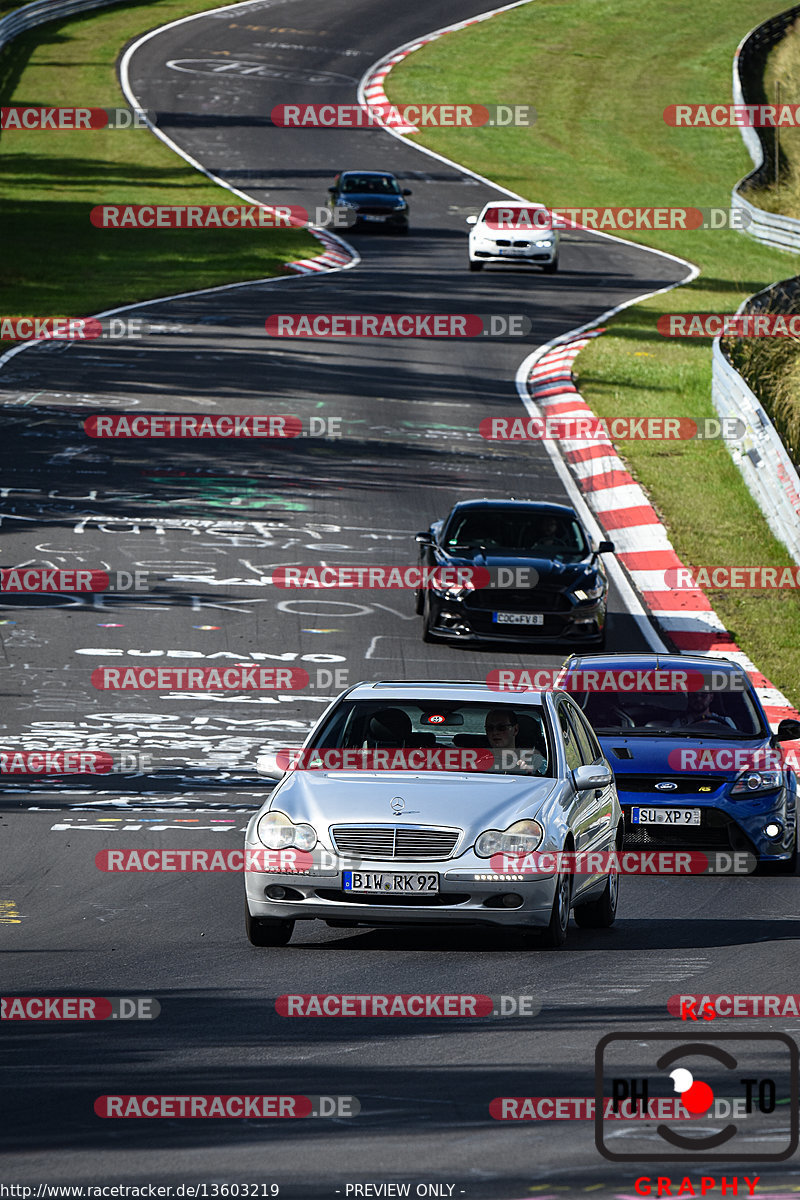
(738, 1092)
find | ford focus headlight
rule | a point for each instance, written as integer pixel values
(523, 837)
(754, 783)
(278, 832)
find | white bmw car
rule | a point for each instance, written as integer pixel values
(430, 803)
(510, 231)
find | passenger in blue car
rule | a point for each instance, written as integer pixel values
(698, 708)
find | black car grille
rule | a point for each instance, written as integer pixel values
(412, 843)
(532, 600)
(685, 784)
(376, 210)
(715, 832)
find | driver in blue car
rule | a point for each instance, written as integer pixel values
(698, 708)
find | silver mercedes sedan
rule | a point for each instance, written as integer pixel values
(437, 803)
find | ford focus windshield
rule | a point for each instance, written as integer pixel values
(706, 714)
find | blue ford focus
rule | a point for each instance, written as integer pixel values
(695, 761)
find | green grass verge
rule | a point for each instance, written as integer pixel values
(54, 261)
(782, 78)
(599, 86)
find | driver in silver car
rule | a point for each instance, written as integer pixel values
(502, 729)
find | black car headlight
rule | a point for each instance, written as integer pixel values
(279, 832)
(755, 783)
(523, 837)
(453, 591)
(593, 592)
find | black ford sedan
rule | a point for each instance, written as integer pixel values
(546, 582)
(375, 199)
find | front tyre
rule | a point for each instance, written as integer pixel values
(427, 634)
(263, 932)
(786, 866)
(551, 268)
(475, 266)
(600, 913)
(555, 935)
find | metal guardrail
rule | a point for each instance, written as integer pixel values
(761, 456)
(42, 11)
(772, 229)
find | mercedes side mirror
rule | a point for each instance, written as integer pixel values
(596, 776)
(267, 764)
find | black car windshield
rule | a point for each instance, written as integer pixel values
(514, 531)
(478, 736)
(692, 714)
(369, 183)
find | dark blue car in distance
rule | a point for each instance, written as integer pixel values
(696, 764)
(373, 200)
(548, 583)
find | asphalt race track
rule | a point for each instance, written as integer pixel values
(207, 522)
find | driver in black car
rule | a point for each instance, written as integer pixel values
(698, 708)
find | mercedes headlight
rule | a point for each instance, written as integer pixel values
(278, 832)
(754, 783)
(523, 837)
